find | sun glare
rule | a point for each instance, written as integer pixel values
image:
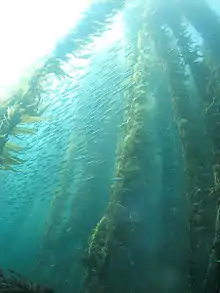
(29, 29)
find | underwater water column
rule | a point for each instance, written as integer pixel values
(197, 184)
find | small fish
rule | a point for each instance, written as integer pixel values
(90, 178)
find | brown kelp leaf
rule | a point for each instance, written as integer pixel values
(13, 161)
(9, 168)
(9, 146)
(22, 130)
(32, 119)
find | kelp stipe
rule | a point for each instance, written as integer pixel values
(116, 254)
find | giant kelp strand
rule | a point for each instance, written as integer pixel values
(206, 22)
(174, 212)
(25, 106)
(195, 168)
(92, 24)
(199, 14)
(213, 121)
(87, 195)
(201, 62)
(171, 15)
(205, 76)
(91, 194)
(26, 101)
(52, 238)
(13, 282)
(114, 254)
(92, 168)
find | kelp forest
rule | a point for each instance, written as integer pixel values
(110, 156)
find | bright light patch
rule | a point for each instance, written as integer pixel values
(113, 35)
(29, 29)
(215, 5)
(77, 67)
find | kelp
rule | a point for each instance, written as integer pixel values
(69, 233)
(212, 106)
(200, 15)
(198, 183)
(206, 77)
(92, 24)
(112, 251)
(19, 111)
(53, 236)
(25, 106)
(206, 21)
(174, 235)
(13, 282)
(60, 195)
(115, 261)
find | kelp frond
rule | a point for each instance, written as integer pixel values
(25, 103)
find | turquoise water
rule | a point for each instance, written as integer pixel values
(94, 159)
